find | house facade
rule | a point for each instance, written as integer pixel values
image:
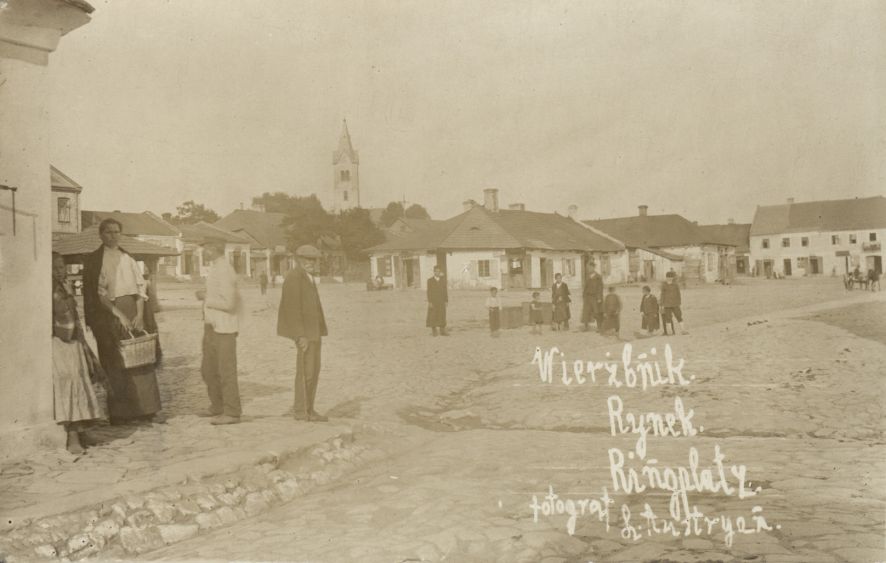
(737, 234)
(65, 203)
(818, 237)
(490, 247)
(657, 244)
(146, 227)
(267, 233)
(237, 249)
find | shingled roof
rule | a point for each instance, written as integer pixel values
(733, 234)
(202, 231)
(145, 223)
(505, 229)
(88, 241)
(653, 231)
(266, 228)
(815, 216)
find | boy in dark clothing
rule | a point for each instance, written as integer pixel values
(649, 311)
(612, 309)
(670, 304)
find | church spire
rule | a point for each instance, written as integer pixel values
(346, 170)
(345, 148)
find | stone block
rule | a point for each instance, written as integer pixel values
(231, 484)
(107, 528)
(227, 515)
(140, 519)
(287, 489)
(164, 511)
(173, 533)
(140, 540)
(208, 520)
(187, 507)
(46, 551)
(255, 504)
(207, 502)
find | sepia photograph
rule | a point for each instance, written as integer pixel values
(573, 281)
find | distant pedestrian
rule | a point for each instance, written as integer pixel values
(612, 310)
(301, 319)
(221, 324)
(493, 305)
(592, 301)
(560, 299)
(536, 319)
(438, 298)
(671, 303)
(649, 311)
(873, 280)
(263, 282)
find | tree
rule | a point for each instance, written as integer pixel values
(277, 202)
(357, 232)
(306, 220)
(191, 212)
(392, 212)
(416, 211)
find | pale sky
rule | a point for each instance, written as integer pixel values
(704, 108)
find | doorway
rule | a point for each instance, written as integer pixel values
(787, 266)
(815, 264)
(648, 270)
(546, 272)
(767, 268)
(875, 263)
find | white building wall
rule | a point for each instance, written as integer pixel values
(820, 244)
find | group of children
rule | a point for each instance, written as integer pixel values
(654, 314)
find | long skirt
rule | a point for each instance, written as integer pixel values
(651, 321)
(561, 312)
(133, 392)
(436, 316)
(73, 396)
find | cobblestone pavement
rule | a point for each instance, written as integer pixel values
(780, 385)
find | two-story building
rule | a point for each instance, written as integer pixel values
(818, 237)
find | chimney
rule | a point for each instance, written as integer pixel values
(469, 204)
(790, 200)
(643, 209)
(490, 199)
(572, 212)
(517, 207)
(731, 221)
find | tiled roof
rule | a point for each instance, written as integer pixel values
(813, 216)
(145, 223)
(200, 232)
(651, 231)
(266, 228)
(481, 229)
(734, 234)
(59, 180)
(88, 241)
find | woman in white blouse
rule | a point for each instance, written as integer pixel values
(114, 301)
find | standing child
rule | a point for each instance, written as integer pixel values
(612, 309)
(535, 316)
(649, 311)
(493, 304)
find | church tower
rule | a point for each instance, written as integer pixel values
(346, 181)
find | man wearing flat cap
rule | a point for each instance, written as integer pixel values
(301, 319)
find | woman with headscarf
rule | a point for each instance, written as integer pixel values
(74, 403)
(114, 301)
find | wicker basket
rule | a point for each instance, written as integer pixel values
(138, 351)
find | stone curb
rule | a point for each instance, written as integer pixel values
(182, 502)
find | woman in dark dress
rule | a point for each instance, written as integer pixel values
(560, 298)
(114, 301)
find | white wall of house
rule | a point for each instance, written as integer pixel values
(802, 247)
(703, 262)
(168, 265)
(474, 269)
(660, 265)
(65, 218)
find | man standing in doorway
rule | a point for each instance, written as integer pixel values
(438, 298)
(221, 307)
(301, 319)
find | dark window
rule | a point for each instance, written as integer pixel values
(852, 239)
(346, 195)
(804, 241)
(764, 243)
(872, 237)
(835, 239)
(64, 210)
(345, 175)
(483, 268)
(786, 242)
(383, 266)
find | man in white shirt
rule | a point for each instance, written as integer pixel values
(221, 323)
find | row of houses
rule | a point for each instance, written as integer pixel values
(255, 241)
(513, 248)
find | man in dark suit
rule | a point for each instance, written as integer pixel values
(438, 297)
(592, 301)
(301, 319)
